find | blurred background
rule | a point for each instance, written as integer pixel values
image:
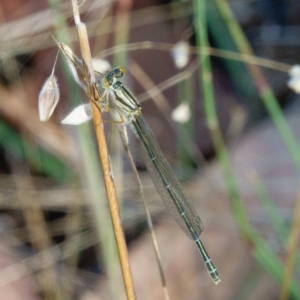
(233, 141)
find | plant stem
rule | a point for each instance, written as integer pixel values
(103, 154)
(212, 120)
(292, 250)
(261, 83)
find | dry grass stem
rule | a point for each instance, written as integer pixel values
(103, 154)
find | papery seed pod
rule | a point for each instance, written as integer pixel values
(181, 54)
(294, 80)
(101, 65)
(78, 115)
(75, 65)
(181, 113)
(70, 55)
(75, 75)
(48, 98)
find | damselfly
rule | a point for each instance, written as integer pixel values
(168, 187)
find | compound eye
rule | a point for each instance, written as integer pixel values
(122, 70)
(119, 72)
(105, 83)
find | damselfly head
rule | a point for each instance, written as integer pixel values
(111, 77)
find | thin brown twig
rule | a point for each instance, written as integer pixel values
(168, 83)
(146, 209)
(247, 58)
(103, 153)
(163, 105)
